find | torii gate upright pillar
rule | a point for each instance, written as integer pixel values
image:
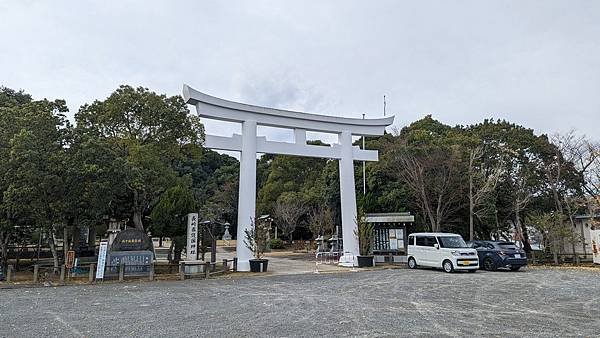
(247, 195)
(348, 193)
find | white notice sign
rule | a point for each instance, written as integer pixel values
(595, 237)
(101, 259)
(192, 237)
(393, 244)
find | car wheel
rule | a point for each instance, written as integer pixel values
(447, 265)
(489, 265)
(515, 268)
(412, 263)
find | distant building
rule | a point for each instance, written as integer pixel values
(583, 225)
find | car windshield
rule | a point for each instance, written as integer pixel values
(452, 242)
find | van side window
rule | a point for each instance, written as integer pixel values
(430, 241)
(420, 240)
(411, 240)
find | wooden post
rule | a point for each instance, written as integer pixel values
(62, 274)
(92, 273)
(225, 268)
(121, 272)
(181, 271)
(213, 245)
(235, 261)
(207, 267)
(9, 273)
(151, 273)
(36, 271)
(391, 259)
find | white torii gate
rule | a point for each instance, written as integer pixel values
(249, 145)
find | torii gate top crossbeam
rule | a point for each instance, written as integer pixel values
(220, 109)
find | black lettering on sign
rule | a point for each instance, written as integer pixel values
(132, 240)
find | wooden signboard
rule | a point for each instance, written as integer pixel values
(70, 259)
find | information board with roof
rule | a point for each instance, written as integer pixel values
(390, 232)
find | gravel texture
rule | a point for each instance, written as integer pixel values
(400, 302)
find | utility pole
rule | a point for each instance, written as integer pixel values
(383, 105)
(364, 168)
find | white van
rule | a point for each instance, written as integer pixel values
(441, 250)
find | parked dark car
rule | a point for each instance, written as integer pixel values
(497, 254)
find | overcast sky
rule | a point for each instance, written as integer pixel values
(536, 63)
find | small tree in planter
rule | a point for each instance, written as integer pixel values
(257, 239)
(364, 233)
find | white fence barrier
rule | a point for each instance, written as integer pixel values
(326, 258)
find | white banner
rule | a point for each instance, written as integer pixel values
(595, 237)
(101, 259)
(192, 237)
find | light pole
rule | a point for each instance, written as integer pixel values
(364, 167)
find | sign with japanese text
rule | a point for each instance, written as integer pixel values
(101, 259)
(132, 240)
(136, 263)
(192, 236)
(70, 259)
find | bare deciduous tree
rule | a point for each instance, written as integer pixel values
(584, 155)
(288, 210)
(553, 231)
(433, 177)
(321, 220)
(482, 181)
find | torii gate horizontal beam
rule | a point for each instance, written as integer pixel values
(220, 109)
(234, 143)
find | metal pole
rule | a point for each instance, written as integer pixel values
(363, 167)
(213, 243)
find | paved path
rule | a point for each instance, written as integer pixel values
(291, 263)
(538, 303)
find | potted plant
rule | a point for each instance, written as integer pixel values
(257, 239)
(364, 233)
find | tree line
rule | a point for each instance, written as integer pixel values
(137, 156)
(491, 180)
(122, 155)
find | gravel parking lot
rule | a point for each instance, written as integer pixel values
(401, 302)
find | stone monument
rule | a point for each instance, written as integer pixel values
(132, 248)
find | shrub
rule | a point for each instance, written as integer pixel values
(257, 238)
(276, 243)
